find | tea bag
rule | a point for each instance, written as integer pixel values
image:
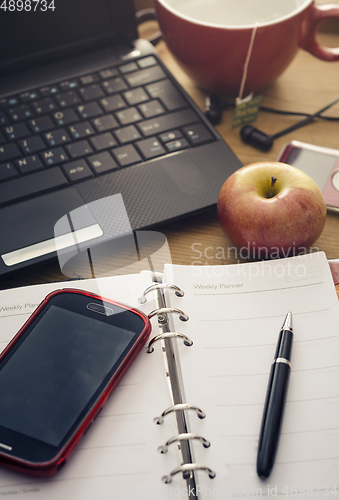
(247, 108)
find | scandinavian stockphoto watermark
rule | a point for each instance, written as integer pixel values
(285, 268)
(203, 256)
(97, 239)
(204, 491)
(199, 491)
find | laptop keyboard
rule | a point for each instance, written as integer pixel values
(78, 129)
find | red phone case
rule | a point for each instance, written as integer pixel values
(49, 468)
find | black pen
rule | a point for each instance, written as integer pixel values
(275, 400)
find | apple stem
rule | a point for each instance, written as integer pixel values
(273, 181)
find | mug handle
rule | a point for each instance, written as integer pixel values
(316, 16)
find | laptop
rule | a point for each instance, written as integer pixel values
(88, 111)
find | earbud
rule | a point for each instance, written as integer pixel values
(249, 134)
(253, 136)
(213, 109)
(260, 140)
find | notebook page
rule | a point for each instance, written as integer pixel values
(118, 457)
(236, 313)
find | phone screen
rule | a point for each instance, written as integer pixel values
(56, 370)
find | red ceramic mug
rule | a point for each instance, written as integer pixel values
(212, 39)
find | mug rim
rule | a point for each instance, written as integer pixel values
(302, 7)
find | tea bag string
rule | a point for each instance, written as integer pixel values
(247, 61)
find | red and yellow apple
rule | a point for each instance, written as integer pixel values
(271, 209)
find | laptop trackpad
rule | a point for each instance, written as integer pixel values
(28, 227)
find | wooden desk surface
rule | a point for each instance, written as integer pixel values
(306, 86)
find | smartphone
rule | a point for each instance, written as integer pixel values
(322, 164)
(59, 371)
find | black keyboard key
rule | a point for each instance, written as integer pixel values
(108, 73)
(91, 92)
(9, 152)
(7, 171)
(136, 96)
(16, 131)
(115, 85)
(88, 79)
(3, 119)
(69, 84)
(102, 163)
(78, 149)
(103, 141)
(167, 122)
(128, 68)
(126, 155)
(176, 145)
(2, 139)
(112, 103)
(197, 134)
(127, 134)
(81, 130)
(49, 90)
(67, 99)
(6, 102)
(151, 148)
(29, 164)
(168, 95)
(38, 182)
(144, 76)
(146, 62)
(44, 106)
(19, 113)
(32, 145)
(41, 124)
(104, 123)
(53, 157)
(151, 108)
(29, 96)
(77, 171)
(129, 115)
(65, 117)
(170, 136)
(89, 110)
(57, 137)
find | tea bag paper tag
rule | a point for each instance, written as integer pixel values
(246, 110)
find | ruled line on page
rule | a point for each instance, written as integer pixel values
(318, 339)
(227, 436)
(122, 445)
(209, 320)
(265, 373)
(60, 480)
(288, 401)
(253, 464)
(262, 291)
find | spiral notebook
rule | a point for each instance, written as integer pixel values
(185, 420)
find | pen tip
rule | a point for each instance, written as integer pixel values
(288, 321)
(264, 470)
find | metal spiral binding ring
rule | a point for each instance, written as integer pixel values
(159, 286)
(164, 310)
(187, 341)
(179, 407)
(188, 468)
(183, 437)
